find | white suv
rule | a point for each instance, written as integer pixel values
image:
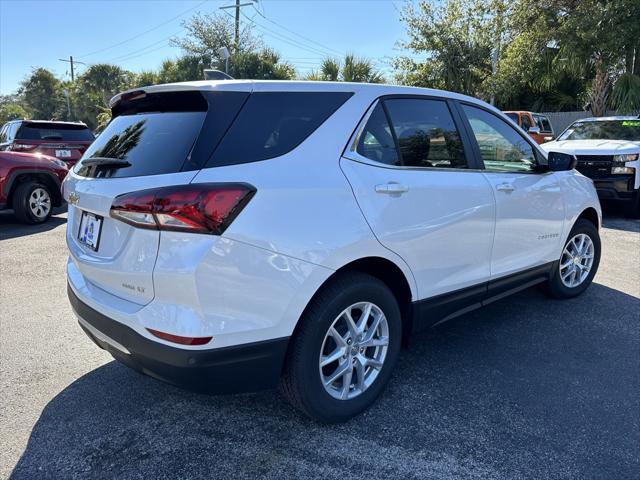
(230, 236)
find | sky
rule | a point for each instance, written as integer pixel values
(135, 34)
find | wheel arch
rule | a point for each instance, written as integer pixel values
(387, 272)
(42, 176)
(590, 214)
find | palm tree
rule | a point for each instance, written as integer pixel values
(352, 69)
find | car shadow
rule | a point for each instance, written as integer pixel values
(527, 387)
(614, 216)
(11, 227)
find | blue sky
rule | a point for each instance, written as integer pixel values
(135, 34)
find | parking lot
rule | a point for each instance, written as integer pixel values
(527, 387)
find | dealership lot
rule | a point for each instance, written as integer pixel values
(526, 388)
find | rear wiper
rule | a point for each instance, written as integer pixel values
(105, 162)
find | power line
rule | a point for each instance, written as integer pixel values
(121, 57)
(297, 34)
(286, 39)
(143, 33)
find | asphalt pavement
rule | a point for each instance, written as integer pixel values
(527, 387)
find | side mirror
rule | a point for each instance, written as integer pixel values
(560, 162)
(534, 130)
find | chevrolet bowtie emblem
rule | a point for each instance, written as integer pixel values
(73, 198)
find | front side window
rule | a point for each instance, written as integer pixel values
(426, 133)
(502, 148)
(526, 123)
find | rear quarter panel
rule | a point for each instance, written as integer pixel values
(304, 207)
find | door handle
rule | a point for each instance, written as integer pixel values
(505, 187)
(391, 188)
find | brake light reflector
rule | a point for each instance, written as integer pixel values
(199, 208)
(21, 147)
(180, 340)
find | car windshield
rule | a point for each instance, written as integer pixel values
(604, 130)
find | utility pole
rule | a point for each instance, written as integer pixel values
(236, 33)
(71, 62)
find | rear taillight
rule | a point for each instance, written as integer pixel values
(197, 208)
(21, 147)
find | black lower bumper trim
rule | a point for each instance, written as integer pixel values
(242, 368)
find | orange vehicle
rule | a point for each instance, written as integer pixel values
(536, 125)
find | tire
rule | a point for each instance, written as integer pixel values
(302, 379)
(32, 202)
(564, 289)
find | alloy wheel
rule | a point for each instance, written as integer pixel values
(576, 260)
(354, 350)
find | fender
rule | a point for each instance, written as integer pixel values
(15, 173)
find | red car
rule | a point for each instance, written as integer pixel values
(30, 184)
(66, 141)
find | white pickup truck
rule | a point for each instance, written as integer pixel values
(608, 152)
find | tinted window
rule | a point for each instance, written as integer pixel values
(3, 133)
(376, 141)
(153, 143)
(543, 123)
(603, 130)
(426, 133)
(54, 132)
(273, 123)
(501, 146)
(526, 123)
(514, 117)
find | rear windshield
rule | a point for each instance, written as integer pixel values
(273, 123)
(54, 132)
(603, 130)
(151, 143)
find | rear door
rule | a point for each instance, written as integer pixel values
(529, 204)
(159, 140)
(413, 177)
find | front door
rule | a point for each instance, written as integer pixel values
(410, 173)
(529, 204)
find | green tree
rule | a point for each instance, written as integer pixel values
(207, 34)
(352, 69)
(95, 87)
(454, 43)
(12, 111)
(604, 35)
(42, 95)
(184, 69)
(263, 64)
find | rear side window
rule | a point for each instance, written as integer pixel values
(376, 141)
(426, 133)
(54, 132)
(273, 123)
(526, 123)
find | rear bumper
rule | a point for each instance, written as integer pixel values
(242, 368)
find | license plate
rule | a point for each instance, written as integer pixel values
(63, 153)
(89, 234)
